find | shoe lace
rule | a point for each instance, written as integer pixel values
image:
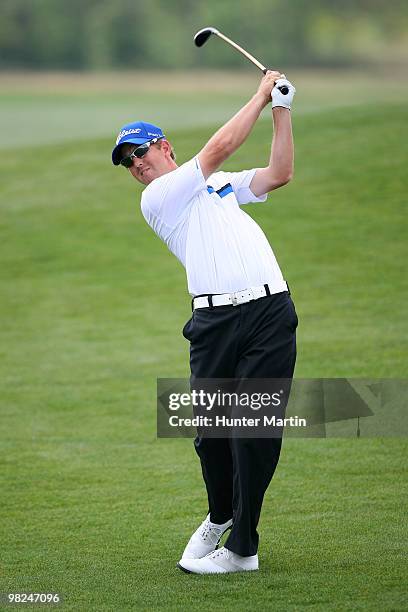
(210, 531)
(220, 552)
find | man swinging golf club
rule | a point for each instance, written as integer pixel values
(244, 321)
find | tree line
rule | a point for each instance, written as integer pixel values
(127, 34)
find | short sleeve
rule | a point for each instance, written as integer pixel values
(167, 198)
(240, 182)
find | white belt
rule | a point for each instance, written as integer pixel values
(236, 298)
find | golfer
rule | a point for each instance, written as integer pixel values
(244, 322)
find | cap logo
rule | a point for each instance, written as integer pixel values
(126, 132)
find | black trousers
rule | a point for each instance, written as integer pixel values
(253, 340)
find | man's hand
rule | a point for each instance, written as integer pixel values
(268, 83)
(280, 99)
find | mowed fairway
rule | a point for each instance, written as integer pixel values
(94, 507)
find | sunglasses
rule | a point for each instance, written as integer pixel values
(138, 152)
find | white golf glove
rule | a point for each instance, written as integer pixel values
(278, 98)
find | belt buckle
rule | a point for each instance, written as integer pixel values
(235, 297)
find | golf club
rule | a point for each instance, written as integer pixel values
(203, 35)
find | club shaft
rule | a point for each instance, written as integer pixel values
(241, 50)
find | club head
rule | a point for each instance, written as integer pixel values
(203, 35)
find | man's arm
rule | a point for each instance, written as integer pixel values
(231, 136)
(280, 168)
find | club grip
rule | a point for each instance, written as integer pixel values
(283, 88)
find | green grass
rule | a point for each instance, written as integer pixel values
(48, 108)
(93, 505)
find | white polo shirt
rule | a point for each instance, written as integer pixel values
(221, 247)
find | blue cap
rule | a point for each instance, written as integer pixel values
(135, 133)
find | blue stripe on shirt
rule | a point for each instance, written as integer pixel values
(225, 190)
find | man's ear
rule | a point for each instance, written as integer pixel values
(166, 146)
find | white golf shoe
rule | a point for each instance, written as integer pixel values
(221, 561)
(205, 539)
